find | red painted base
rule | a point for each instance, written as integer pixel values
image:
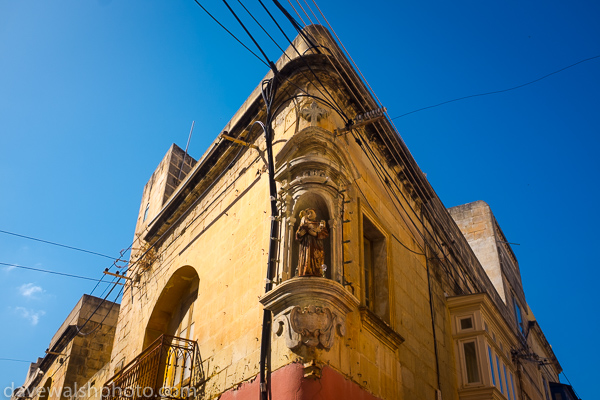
(289, 383)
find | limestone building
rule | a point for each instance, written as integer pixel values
(392, 297)
(309, 258)
(80, 348)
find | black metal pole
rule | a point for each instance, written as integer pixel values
(274, 232)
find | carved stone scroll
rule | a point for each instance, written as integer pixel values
(309, 311)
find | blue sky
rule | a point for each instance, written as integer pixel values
(92, 93)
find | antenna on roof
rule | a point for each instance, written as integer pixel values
(186, 151)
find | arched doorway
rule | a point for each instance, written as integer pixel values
(173, 311)
(171, 327)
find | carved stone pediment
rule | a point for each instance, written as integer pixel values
(314, 149)
(309, 311)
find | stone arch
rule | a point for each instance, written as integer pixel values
(174, 303)
(315, 148)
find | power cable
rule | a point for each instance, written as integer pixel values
(297, 13)
(228, 31)
(498, 91)
(269, 62)
(386, 184)
(78, 330)
(52, 272)
(101, 280)
(393, 197)
(312, 12)
(287, 15)
(288, 57)
(301, 57)
(304, 11)
(572, 387)
(58, 244)
(264, 30)
(385, 181)
(380, 177)
(15, 360)
(347, 52)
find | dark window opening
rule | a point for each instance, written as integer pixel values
(375, 271)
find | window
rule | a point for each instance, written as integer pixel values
(492, 365)
(506, 380)
(185, 330)
(146, 212)
(466, 323)
(512, 386)
(545, 383)
(499, 375)
(471, 364)
(518, 316)
(375, 270)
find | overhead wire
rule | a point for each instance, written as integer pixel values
(263, 29)
(300, 56)
(291, 82)
(50, 272)
(394, 198)
(498, 91)
(347, 53)
(101, 280)
(58, 244)
(570, 384)
(304, 11)
(434, 237)
(228, 31)
(383, 180)
(269, 62)
(297, 13)
(364, 110)
(78, 329)
(130, 267)
(310, 45)
(312, 12)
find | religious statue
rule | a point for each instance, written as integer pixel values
(310, 234)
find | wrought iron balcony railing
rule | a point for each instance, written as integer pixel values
(167, 369)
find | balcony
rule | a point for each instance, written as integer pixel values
(167, 369)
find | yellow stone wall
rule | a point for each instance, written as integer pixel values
(225, 237)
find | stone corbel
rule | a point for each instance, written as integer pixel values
(309, 311)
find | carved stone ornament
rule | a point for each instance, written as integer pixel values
(309, 311)
(313, 113)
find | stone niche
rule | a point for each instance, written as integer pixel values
(309, 311)
(313, 171)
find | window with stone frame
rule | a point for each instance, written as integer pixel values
(471, 362)
(375, 271)
(501, 371)
(518, 315)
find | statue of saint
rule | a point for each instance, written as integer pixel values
(310, 234)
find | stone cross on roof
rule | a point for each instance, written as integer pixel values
(313, 113)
